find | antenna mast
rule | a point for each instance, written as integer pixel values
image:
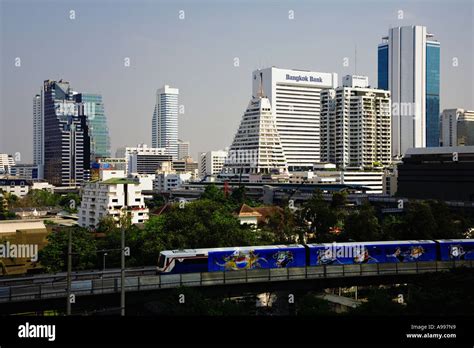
(260, 88)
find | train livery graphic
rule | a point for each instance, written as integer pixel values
(459, 249)
(458, 252)
(299, 255)
(283, 258)
(242, 260)
(371, 252)
(411, 254)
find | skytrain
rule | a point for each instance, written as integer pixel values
(301, 255)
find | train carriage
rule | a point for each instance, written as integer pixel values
(372, 252)
(456, 249)
(231, 259)
(273, 256)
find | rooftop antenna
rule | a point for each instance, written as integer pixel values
(260, 88)
(355, 60)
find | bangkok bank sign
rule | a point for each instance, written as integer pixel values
(300, 78)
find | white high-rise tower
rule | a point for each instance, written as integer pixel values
(295, 96)
(164, 130)
(409, 67)
(256, 148)
(38, 133)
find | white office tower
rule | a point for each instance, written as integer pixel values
(183, 149)
(457, 127)
(256, 148)
(409, 67)
(164, 128)
(295, 98)
(38, 132)
(211, 163)
(355, 125)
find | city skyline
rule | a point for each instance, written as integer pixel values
(212, 72)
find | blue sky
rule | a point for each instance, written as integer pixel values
(196, 54)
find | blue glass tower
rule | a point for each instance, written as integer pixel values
(382, 68)
(98, 130)
(432, 93)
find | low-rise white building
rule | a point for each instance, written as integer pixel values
(113, 195)
(6, 163)
(457, 127)
(143, 159)
(17, 187)
(211, 162)
(372, 180)
(169, 181)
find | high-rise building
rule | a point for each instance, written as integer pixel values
(98, 130)
(143, 159)
(256, 148)
(211, 162)
(38, 133)
(295, 99)
(457, 127)
(164, 130)
(183, 149)
(66, 136)
(355, 125)
(409, 66)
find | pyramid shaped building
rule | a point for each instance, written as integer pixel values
(256, 148)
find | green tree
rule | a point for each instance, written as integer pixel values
(449, 225)
(339, 200)
(393, 226)
(419, 222)
(70, 202)
(213, 193)
(54, 255)
(320, 216)
(283, 225)
(362, 225)
(4, 213)
(157, 201)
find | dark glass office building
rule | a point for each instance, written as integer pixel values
(444, 173)
(66, 139)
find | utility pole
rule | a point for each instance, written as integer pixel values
(122, 282)
(69, 269)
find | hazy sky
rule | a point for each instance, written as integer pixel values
(197, 54)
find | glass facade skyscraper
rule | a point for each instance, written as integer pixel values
(382, 68)
(164, 130)
(98, 130)
(432, 94)
(409, 67)
(66, 136)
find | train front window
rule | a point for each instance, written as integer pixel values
(161, 261)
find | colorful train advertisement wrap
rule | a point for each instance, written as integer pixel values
(458, 249)
(296, 255)
(359, 253)
(241, 259)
